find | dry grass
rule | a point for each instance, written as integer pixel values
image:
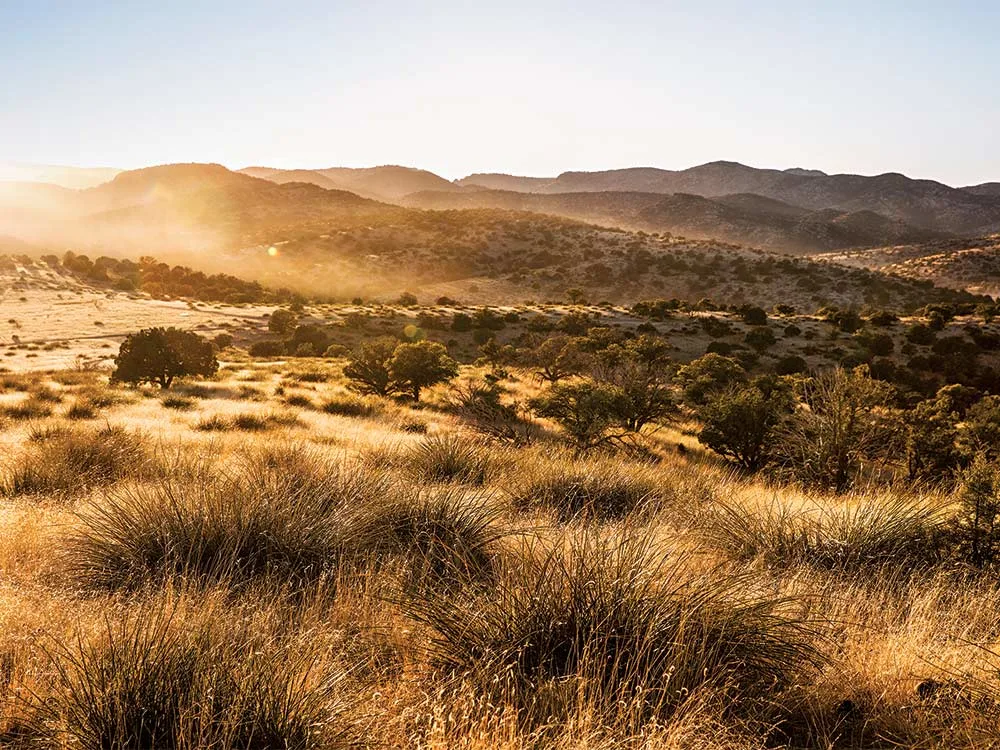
(328, 579)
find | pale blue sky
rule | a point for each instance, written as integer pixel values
(523, 87)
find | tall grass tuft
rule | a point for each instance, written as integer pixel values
(451, 458)
(149, 681)
(872, 532)
(444, 540)
(584, 489)
(74, 460)
(613, 623)
(280, 514)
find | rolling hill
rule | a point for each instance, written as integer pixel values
(338, 245)
(968, 264)
(742, 218)
(921, 203)
(387, 183)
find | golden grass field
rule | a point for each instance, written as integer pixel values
(265, 560)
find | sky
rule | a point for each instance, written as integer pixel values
(533, 88)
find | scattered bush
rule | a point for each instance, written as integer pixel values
(159, 355)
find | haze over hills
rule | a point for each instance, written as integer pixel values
(386, 183)
(741, 218)
(68, 177)
(922, 203)
(338, 244)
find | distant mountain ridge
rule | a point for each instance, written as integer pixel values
(921, 203)
(744, 218)
(386, 183)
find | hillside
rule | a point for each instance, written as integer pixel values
(338, 245)
(76, 178)
(176, 208)
(972, 265)
(387, 183)
(742, 218)
(921, 203)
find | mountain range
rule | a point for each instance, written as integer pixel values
(795, 210)
(410, 221)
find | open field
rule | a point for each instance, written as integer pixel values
(373, 571)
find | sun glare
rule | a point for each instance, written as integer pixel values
(272, 251)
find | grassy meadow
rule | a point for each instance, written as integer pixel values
(268, 560)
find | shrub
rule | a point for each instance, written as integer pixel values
(842, 426)
(149, 681)
(282, 322)
(760, 339)
(610, 621)
(368, 369)
(159, 355)
(270, 348)
(479, 405)
(414, 367)
(791, 364)
(740, 424)
(709, 374)
(76, 460)
(585, 410)
(976, 528)
(450, 458)
(754, 316)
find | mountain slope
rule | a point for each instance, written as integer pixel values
(387, 183)
(177, 207)
(968, 264)
(75, 178)
(743, 218)
(921, 203)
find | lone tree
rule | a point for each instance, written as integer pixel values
(158, 355)
(414, 367)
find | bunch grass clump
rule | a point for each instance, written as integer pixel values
(870, 533)
(284, 522)
(352, 406)
(451, 458)
(154, 680)
(443, 539)
(63, 461)
(574, 489)
(27, 408)
(615, 623)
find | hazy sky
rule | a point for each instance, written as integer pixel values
(523, 87)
